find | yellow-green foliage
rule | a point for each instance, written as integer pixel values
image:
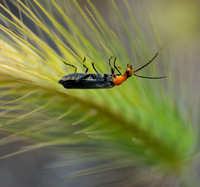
(136, 122)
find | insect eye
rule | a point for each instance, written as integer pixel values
(128, 73)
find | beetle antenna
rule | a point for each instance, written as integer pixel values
(150, 77)
(146, 63)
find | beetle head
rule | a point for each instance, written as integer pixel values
(129, 70)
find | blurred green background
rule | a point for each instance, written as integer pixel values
(176, 25)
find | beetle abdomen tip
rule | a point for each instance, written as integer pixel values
(60, 81)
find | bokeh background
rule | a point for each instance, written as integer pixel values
(176, 26)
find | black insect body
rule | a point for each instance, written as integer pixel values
(87, 81)
(98, 80)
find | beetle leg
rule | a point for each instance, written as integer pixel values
(105, 77)
(94, 68)
(85, 65)
(93, 76)
(112, 69)
(116, 66)
(84, 77)
(72, 66)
